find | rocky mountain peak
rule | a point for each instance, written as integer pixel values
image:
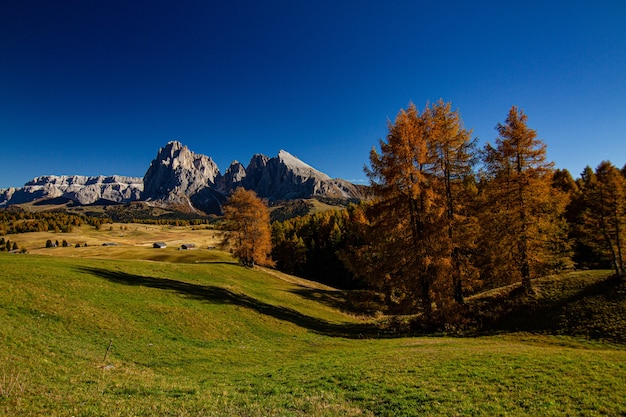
(286, 177)
(299, 166)
(258, 161)
(178, 171)
(181, 178)
(235, 173)
(172, 148)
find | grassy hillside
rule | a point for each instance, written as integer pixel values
(590, 304)
(284, 210)
(215, 339)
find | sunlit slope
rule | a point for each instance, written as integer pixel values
(124, 292)
(132, 241)
(215, 339)
(58, 316)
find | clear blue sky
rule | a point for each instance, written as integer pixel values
(94, 87)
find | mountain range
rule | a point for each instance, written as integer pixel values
(181, 179)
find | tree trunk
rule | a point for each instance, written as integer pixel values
(618, 242)
(523, 239)
(605, 233)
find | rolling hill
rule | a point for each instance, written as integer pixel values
(205, 336)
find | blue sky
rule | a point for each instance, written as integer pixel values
(93, 87)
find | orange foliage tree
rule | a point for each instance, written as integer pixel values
(523, 228)
(419, 216)
(247, 218)
(604, 213)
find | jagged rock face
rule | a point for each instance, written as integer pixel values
(5, 195)
(188, 181)
(286, 177)
(178, 176)
(78, 188)
(232, 179)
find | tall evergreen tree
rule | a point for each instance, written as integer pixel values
(522, 217)
(406, 215)
(604, 214)
(310, 246)
(562, 180)
(586, 239)
(455, 153)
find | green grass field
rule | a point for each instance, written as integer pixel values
(216, 339)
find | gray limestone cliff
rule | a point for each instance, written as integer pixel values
(77, 188)
(286, 177)
(232, 178)
(181, 179)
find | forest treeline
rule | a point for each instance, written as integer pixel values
(17, 220)
(446, 220)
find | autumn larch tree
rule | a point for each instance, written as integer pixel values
(247, 218)
(604, 213)
(522, 222)
(587, 242)
(456, 156)
(417, 182)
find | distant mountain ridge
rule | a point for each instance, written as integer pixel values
(180, 178)
(78, 188)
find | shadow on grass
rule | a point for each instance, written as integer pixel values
(219, 295)
(596, 311)
(355, 302)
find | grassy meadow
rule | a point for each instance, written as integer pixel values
(132, 241)
(133, 331)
